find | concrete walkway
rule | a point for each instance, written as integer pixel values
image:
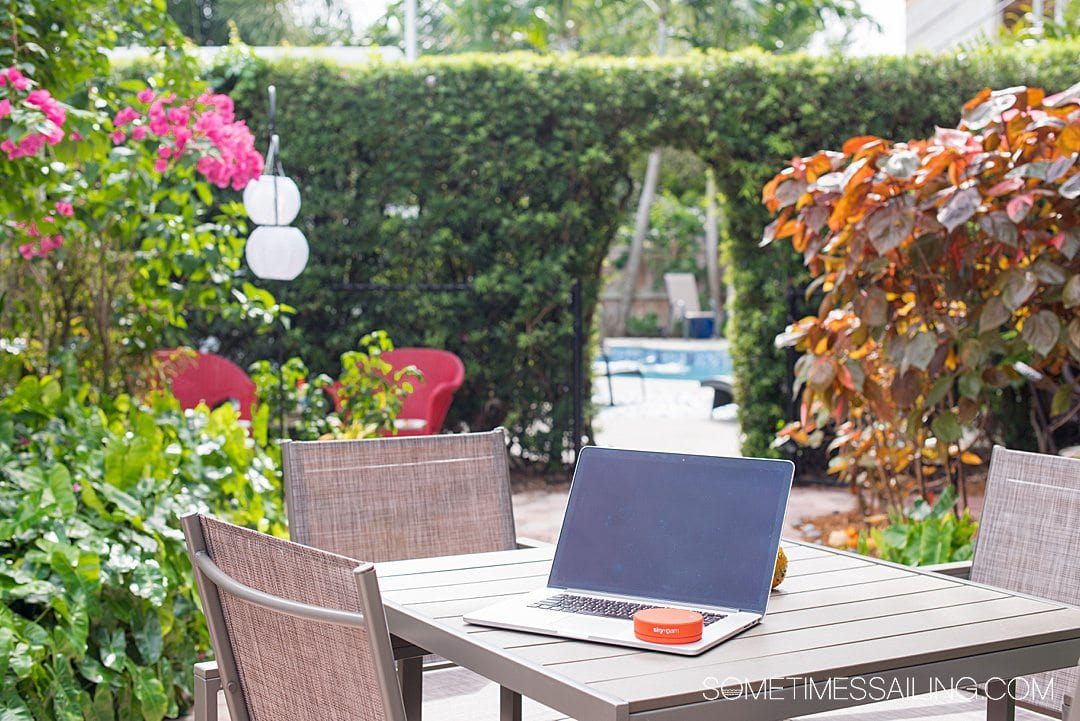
(664, 415)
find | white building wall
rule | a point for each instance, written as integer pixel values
(944, 24)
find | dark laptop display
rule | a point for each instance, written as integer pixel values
(695, 533)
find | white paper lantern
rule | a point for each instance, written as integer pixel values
(276, 252)
(259, 200)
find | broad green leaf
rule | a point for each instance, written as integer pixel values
(1049, 272)
(1041, 331)
(60, 484)
(994, 313)
(938, 390)
(113, 648)
(147, 581)
(150, 692)
(919, 352)
(1070, 296)
(148, 638)
(102, 707)
(1063, 399)
(970, 384)
(1021, 284)
(947, 427)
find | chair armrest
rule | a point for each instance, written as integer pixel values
(956, 569)
(525, 542)
(207, 685)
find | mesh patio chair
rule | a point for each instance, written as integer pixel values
(387, 499)
(1028, 543)
(298, 633)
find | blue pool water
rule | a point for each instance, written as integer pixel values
(673, 363)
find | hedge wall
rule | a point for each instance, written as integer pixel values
(516, 167)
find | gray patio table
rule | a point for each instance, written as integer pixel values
(840, 623)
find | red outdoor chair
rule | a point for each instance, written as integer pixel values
(206, 378)
(424, 410)
(431, 397)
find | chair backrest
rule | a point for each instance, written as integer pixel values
(1028, 541)
(443, 373)
(682, 293)
(206, 378)
(294, 629)
(387, 499)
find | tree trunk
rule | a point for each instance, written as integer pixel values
(712, 248)
(641, 227)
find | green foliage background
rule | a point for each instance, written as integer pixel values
(518, 165)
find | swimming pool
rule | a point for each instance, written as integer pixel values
(662, 358)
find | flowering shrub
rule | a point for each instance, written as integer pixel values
(131, 242)
(204, 127)
(944, 264)
(37, 110)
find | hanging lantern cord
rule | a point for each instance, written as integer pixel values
(273, 156)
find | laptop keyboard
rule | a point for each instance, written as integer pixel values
(610, 608)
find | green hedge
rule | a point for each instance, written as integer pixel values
(519, 167)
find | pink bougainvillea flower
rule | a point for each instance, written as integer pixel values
(138, 132)
(49, 105)
(179, 115)
(76, 135)
(27, 251)
(5, 108)
(17, 80)
(118, 137)
(124, 116)
(64, 209)
(50, 243)
(161, 164)
(164, 151)
(55, 134)
(145, 96)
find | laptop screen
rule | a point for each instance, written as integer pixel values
(688, 529)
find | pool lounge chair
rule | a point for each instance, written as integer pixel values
(684, 305)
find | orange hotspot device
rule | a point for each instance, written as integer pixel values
(668, 625)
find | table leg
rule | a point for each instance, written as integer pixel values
(509, 705)
(1000, 700)
(411, 678)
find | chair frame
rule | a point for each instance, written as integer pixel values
(1003, 458)
(222, 674)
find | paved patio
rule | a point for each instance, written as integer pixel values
(664, 415)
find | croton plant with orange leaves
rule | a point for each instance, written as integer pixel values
(949, 269)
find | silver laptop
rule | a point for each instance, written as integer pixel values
(645, 530)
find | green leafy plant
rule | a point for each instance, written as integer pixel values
(926, 534)
(647, 326)
(369, 391)
(98, 614)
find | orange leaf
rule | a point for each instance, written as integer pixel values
(1069, 138)
(860, 142)
(970, 459)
